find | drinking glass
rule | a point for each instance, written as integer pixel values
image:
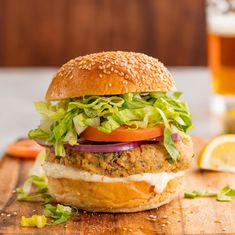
(220, 16)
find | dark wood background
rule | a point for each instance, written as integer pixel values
(50, 32)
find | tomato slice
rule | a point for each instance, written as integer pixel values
(24, 148)
(122, 134)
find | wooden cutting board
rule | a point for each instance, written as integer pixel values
(181, 216)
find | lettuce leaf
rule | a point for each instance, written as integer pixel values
(36, 180)
(169, 144)
(64, 121)
(226, 194)
(58, 213)
(35, 189)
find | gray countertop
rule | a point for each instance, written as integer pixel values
(19, 87)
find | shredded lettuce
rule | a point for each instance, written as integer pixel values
(40, 183)
(58, 213)
(226, 194)
(62, 122)
(169, 144)
(37, 166)
(36, 180)
(35, 189)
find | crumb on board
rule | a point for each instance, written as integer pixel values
(152, 217)
(217, 221)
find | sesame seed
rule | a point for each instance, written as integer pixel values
(138, 68)
(152, 217)
(217, 221)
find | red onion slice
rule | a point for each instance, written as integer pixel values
(92, 147)
(50, 145)
(98, 147)
(104, 148)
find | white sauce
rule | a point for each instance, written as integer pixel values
(158, 180)
(222, 24)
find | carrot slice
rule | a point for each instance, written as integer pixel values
(24, 149)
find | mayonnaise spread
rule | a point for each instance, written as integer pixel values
(158, 180)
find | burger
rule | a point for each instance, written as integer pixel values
(115, 133)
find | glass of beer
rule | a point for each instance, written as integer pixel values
(221, 56)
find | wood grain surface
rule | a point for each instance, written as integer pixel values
(50, 32)
(181, 216)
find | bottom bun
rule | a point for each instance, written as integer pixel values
(112, 197)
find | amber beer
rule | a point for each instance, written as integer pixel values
(221, 58)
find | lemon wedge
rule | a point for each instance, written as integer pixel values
(219, 154)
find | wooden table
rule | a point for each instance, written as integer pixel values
(181, 216)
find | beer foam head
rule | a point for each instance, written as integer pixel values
(222, 24)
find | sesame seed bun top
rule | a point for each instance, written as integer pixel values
(108, 73)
